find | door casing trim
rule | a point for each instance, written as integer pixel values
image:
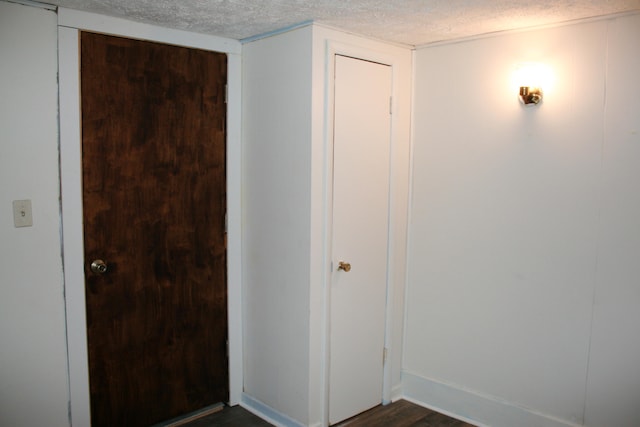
(336, 49)
(69, 24)
(327, 44)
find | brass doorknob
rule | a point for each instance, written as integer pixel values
(98, 266)
(344, 266)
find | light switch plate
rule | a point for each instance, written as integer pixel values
(22, 213)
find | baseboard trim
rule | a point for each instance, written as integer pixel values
(396, 392)
(473, 408)
(267, 413)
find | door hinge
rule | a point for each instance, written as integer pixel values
(391, 105)
(226, 94)
(384, 355)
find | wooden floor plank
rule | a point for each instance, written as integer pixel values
(402, 414)
(436, 419)
(398, 414)
(235, 416)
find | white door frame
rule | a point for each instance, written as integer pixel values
(381, 279)
(339, 48)
(69, 24)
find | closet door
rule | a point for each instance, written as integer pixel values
(361, 157)
(154, 200)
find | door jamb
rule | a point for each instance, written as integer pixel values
(69, 24)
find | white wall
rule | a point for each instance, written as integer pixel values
(276, 218)
(33, 367)
(613, 388)
(523, 295)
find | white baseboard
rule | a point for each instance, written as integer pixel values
(396, 392)
(267, 413)
(473, 408)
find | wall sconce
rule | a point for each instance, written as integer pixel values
(530, 95)
(530, 78)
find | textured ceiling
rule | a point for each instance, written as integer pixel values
(411, 22)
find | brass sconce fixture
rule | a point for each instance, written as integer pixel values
(530, 95)
(530, 78)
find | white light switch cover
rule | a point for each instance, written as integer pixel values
(22, 213)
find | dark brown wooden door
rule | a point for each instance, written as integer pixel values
(153, 159)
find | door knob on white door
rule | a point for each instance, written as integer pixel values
(344, 266)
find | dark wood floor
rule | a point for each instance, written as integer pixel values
(235, 416)
(402, 414)
(397, 414)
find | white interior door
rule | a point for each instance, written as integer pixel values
(362, 133)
